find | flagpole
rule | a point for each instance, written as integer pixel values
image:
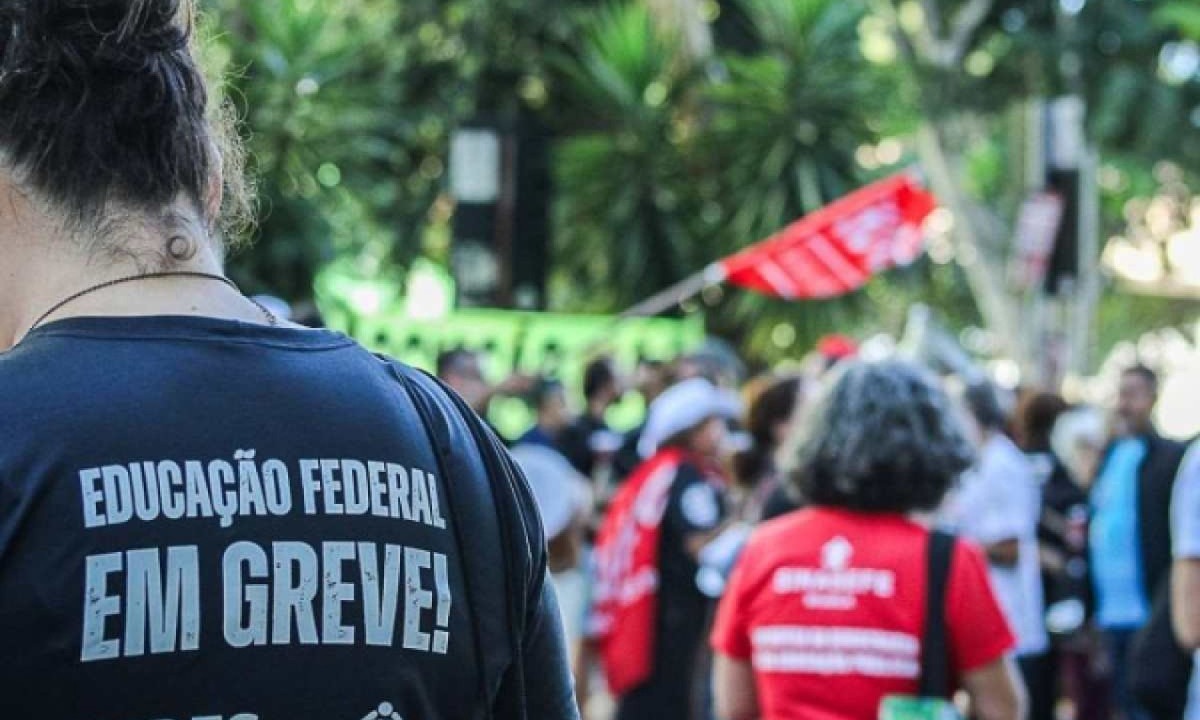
(816, 256)
(680, 292)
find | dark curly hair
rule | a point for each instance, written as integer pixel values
(883, 438)
(103, 105)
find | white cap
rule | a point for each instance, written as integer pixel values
(682, 407)
(558, 488)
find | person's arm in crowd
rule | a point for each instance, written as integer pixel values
(1185, 607)
(981, 640)
(1054, 522)
(1005, 553)
(1185, 572)
(735, 692)
(734, 689)
(694, 543)
(996, 691)
(512, 386)
(585, 662)
(1052, 560)
(996, 518)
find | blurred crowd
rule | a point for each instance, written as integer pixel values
(767, 548)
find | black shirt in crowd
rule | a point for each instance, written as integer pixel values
(675, 691)
(575, 443)
(206, 519)
(1062, 499)
(628, 457)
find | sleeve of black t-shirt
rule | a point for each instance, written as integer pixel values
(547, 690)
(549, 687)
(541, 685)
(695, 505)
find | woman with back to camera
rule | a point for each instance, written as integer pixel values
(205, 512)
(825, 614)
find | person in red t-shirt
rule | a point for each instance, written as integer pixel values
(825, 612)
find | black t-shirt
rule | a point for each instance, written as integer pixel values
(575, 443)
(695, 505)
(779, 502)
(1060, 498)
(206, 519)
(628, 457)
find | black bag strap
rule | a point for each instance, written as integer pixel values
(498, 473)
(935, 664)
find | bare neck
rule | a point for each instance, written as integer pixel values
(39, 269)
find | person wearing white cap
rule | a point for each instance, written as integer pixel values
(649, 616)
(685, 406)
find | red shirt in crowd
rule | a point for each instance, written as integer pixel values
(829, 607)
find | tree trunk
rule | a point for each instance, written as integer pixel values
(684, 17)
(976, 234)
(973, 236)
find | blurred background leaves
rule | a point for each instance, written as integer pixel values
(664, 159)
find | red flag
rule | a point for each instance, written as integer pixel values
(838, 248)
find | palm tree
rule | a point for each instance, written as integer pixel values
(785, 126)
(680, 166)
(787, 122)
(684, 16)
(623, 180)
(346, 121)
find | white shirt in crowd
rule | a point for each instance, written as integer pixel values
(1185, 537)
(999, 499)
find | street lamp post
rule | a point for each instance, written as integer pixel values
(500, 181)
(476, 183)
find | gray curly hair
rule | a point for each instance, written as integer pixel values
(882, 437)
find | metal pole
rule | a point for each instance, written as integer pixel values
(1035, 329)
(1089, 287)
(683, 290)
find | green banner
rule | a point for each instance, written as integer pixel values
(552, 345)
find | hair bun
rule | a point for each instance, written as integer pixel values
(103, 105)
(89, 35)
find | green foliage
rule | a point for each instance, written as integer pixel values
(1131, 315)
(346, 138)
(786, 123)
(348, 107)
(662, 165)
(1127, 186)
(784, 128)
(679, 167)
(621, 224)
(1182, 15)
